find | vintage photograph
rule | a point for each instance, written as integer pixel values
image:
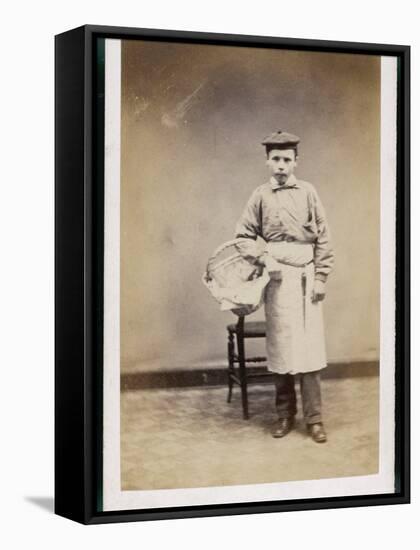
(247, 204)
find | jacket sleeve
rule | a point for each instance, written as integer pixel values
(249, 228)
(323, 251)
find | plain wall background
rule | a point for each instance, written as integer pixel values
(193, 118)
(26, 221)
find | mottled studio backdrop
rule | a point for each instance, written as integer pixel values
(193, 118)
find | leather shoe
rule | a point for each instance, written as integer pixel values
(317, 432)
(283, 427)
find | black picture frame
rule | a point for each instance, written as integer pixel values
(79, 247)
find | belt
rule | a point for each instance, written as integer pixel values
(294, 253)
(294, 264)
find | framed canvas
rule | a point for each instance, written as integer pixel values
(172, 147)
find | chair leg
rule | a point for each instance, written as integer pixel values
(230, 366)
(242, 374)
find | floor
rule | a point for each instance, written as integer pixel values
(174, 438)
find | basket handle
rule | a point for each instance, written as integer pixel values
(220, 249)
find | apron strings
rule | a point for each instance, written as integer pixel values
(304, 298)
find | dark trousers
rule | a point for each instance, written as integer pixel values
(310, 389)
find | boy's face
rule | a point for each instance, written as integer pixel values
(282, 163)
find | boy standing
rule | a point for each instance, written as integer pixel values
(288, 215)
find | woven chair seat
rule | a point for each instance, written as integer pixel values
(252, 329)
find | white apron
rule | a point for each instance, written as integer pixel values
(294, 324)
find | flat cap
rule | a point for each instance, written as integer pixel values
(280, 139)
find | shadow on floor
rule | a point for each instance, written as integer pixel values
(46, 503)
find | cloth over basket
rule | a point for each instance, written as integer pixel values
(236, 283)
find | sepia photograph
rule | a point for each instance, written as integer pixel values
(249, 274)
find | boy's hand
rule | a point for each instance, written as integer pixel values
(318, 293)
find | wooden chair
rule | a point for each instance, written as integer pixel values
(237, 334)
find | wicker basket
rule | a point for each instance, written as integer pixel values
(236, 283)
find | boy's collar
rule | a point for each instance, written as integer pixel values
(292, 182)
